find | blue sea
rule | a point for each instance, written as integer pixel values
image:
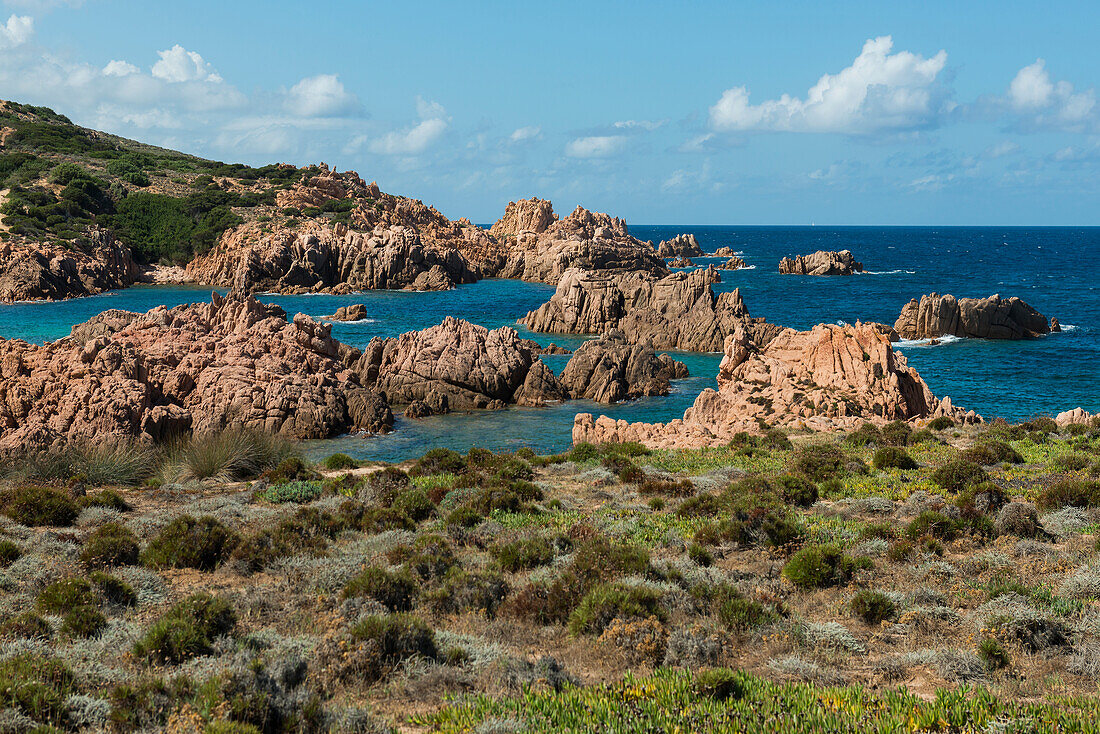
(1056, 270)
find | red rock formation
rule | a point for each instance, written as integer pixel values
(1078, 416)
(983, 318)
(226, 364)
(610, 369)
(828, 378)
(458, 366)
(725, 252)
(682, 245)
(681, 262)
(678, 311)
(35, 271)
(821, 263)
(734, 263)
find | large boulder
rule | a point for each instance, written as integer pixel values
(821, 262)
(354, 312)
(231, 363)
(31, 271)
(611, 369)
(984, 318)
(677, 311)
(458, 366)
(682, 245)
(829, 378)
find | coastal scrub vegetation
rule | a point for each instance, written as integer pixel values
(783, 582)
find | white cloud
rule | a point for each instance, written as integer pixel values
(119, 68)
(418, 138)
(523, 134)
(1042, 103)
(320, 95)
(646, 125)
(595, 146)
(177, 64)
(41, 6)
(879, 92)
(1000, 150)
(17, 31)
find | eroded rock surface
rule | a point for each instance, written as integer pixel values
(354, 312)
(734, 263)
(828, 378)
(231, 363)
(983, 318)
(821, 262)
(678, 311)
(47, 271)
(682, 245)
(611, 369)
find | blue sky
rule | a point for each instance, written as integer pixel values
(702, 113)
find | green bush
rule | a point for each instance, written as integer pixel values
(819, 462)
(1070, 462)
(897, 433)
(438, 461)
(187, 542)
(107, 498)
(337, 462)
(309, 530)
(1069, 493)
(775, 439)
(393, 638)
(941, 423)
(797, 490)
(867, 434)
(873, 606)
(39, 506)
(523, 554)
(958, 474)
(295, 491)
(429, 557)
(37, 687)
(993, 654)
(65, 595)
(991, 451)
(934, 524)
(721, 684)
(739, 613)
(9, 553)
(819, 566)
(582, 452)
(113, 589)
(892, 457)
(700, 555)
(111, 544)
(187, 629)
(415, 503)
(609, 601)
(461, 591)
(83, 621)
(396, 590)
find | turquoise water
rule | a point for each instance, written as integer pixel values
(1057, 270)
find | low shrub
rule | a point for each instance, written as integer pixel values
(429, 557)
(958, 474)
(393, 639)
(111, 544)
(991, 451)
(63, 596)
(338, 462)
(873, 606)
(298, 491)
(819, 462)
(83, 621)
(721, 684)
(941, 423)
(819, 566)
(35, 506)
(737, 612)
(9, 553)
(615, 601)
(599, 560)
(775, 439)
(106, 498)
(796, 490)
(189, 542)
(700, 555)
(37, 687)
(1070, 462)
(187, 629)
(666, 487)
(934, 524)
(892, 457)
(1069, 493)
(27, 625)
(395, 590)
(883, 530)
(113, 589)
(897, 433)
(582, 452)
(462, 590)
(993, 654)
(438, 461)
(292, 469)
(867, 434)
(523, 554)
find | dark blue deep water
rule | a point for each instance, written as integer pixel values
(1056, 270)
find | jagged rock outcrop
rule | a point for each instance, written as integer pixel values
(681, 262)
(725, 252)
(1077, 416)
(828, 378)
(821, 263)
(393, 243)
(682, 245)
(458, 366)
(611, 369)
(678, 311)
(354, 312)
(45, 271)
(230, 363)
(540, 247)
(983, 318)
(734, 263)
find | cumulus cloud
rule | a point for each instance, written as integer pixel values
(523, 134)
(880, 92)
(595, 146)
(17, 31)
(417, 138)
(320, 95)
(177, 64)
(116, 67)
(1040, 102)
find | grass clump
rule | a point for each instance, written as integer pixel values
(820, 566)
(873, 606)
(395, 590)
(83, 621)
(37, 687)
(36, 506)
(65, 595)
(612, 601)
(892, 457)
(189, 542)
(9, 553)
(111, 544)
(226, 456)
(393, 639)
(737, 612)
(187, 630)
(993, 654)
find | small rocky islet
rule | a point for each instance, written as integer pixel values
(821, 521)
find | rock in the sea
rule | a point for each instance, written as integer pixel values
(828, 378)
(821, 263)
(681, 262)
(725, 252)
(734, 263)
(1078, 416)
(458, 366)
(540, 248)
(611, 369)
(682, 245)
(231, 363)
(354, 312)
(553, 348)
(678, 311)
(31, 271)
(983, 318)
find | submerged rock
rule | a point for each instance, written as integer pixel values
(821, 262)
(611, 369)
(831, 377)
(983, 318)
(677, 311)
